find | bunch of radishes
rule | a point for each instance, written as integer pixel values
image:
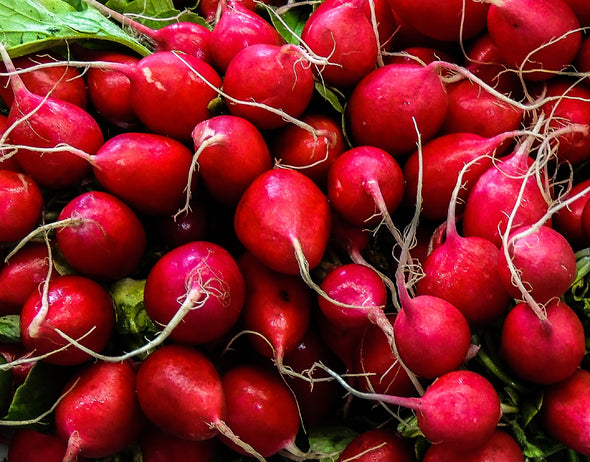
(362, 218)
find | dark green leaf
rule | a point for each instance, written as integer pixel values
(289, 22)
(155, 13)
(10, 328)
(330, 441)
(5, 387)
(132, 318)
(332, 96)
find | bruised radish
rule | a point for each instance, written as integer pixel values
(536, 37)
(76, 306)
(237, 28)
(340, 32)
(565, 413)
(288, 209)
(199, 287)
(27, 444)
(21, 205)
(288, 88)
(230, 153)
(156, 445)
(568, 220)
(99, 415)
(528, 343)
(107, 239)
(380, 114)
(378, 445)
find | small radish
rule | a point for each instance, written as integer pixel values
(340, 32)
(342, 342)
(27, 444)
(380, 114)
(21, 205)
(158, 446)
(199, 288)
(176, 230)
(237, 28)
(418, 55)
(378, 445)
(107, 241)
(528, 343)
(289, 210)
(538, 37)
(230, 152)
(288, 89)
(74, 305)
(565, 413)
(99, 415)
(568, 221)
(582, 10)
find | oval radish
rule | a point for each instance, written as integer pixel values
(378, 445)
(21, 205)
(28, 444)
(156, 445)
(568, 221)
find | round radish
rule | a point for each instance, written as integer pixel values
(156, 445)
(7, 159)
(27, 444)
(200, 282)
(287, 209)
(99, 414)
(568, 220)
(21, 205)
(585, 219)
(378, 445)
(176, 230)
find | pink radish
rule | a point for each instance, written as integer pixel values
(340, 32)
(197, 289)
(536, 37)
(288, 91)
(568, 221)
(74, 305)
(27, 444)
(237, 28)
(288, 209)
(21, 205)
(378, 112)
(565, 414)
(157, 445)
(230, 152)
(529, 343)
(37, 124)
(378, 445)
(99, 414)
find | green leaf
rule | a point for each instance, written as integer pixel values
(132, 318)
(289, 23)
(155, 13)
(333, 96)
(10, 328)
(330, 441)
(27, 26)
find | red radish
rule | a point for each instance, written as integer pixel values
(27, 444)
(287, 92)
(310, 153)
(460, 408)
(382, 19)
(184, 36)
(582, 61)
(565, 412)
(64, 82)
(365, 185)
(585, 219)
(582, 10)
(418, 55)
(21, 205)
(110, 91)
(536, 37)
(528, 344)
(288, 209)
(277, 306)
(99, 414)
(230, 154)
(74, 305)
(46, 123)
(378, 445)
(22, 275)
(501, 446)
(443, 20)
(197, 289)
(158, 446)
(261, 410)
(568, 221)
(107, 241)
(543, 261)
(379, 112)
(7, 159)
(342, 342)
(237, 28)
(177, 230)
(340, 32)
(349, 238)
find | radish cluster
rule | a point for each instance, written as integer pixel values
(285, 219)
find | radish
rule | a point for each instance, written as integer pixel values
(568, 220)
(288, 91)
(585, 219)
(389, 121)
(236, 28)
(582, 11)
(377, 445)
(74, 305)
(37, 123)
(528, 343)
(542, 259)
(21, 205)
(99, 415)
(108, 240)
(288, 209)
(230, 153)
(501, 446)
(340, 31)
(176, 230)
(7, 159)
(197, 290)
(158, 446)
(418, 55)
(538, 38)
(342, 342)
(565, 414)
(27, 444)
(460, 408)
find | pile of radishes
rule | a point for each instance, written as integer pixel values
(330, 230)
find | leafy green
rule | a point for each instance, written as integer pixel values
(155, 13)
(289, 22)
(132, 318)
(333, 96)
(330, 441)
(10, 328)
